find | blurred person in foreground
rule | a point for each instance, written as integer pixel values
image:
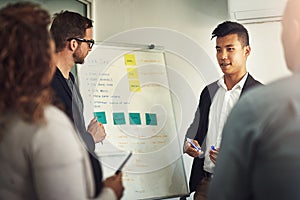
(41, 156)
(260, 154)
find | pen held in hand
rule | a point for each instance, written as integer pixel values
(123, 163)
(194, 145)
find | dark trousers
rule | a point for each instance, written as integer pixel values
(202, 189)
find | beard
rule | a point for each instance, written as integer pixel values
(78, 56)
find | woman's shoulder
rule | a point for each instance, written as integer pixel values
(52, 112)
(58, 133)
(56, 118)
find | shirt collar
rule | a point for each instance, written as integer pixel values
(240, 84)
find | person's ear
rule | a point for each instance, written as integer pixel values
(247, 50)
(296, 31)
(73, 44)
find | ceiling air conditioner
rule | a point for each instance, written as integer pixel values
(256, 11)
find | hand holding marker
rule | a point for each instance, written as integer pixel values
(193, 144)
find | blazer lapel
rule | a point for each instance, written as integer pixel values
(250, 82)
(63, 83)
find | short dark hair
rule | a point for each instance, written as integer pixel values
(228, 27)
(67, 24)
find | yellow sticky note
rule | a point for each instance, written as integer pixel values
(130, 60)
(134, 86)
(132, 73)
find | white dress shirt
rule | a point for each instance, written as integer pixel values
(222, 103)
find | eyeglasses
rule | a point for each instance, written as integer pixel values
(90, 42)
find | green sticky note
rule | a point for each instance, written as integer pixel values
(135, 118)
(119, 118)
(101, 117)
(151, 119)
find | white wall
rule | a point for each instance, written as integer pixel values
(267, 58)
(196, 19)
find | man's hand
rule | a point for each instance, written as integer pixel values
(96, 129)
(190, 150)
(213, 154)
(116, 184)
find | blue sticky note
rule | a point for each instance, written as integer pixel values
(135, 118)
(101, 117)
(119, 118)
(151, 119)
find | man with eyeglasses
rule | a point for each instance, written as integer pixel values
(72, 34)
(90, 42)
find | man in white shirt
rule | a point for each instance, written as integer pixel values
(216, 102)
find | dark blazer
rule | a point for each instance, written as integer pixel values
(74, 109)
(199, 126)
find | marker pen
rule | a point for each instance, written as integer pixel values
(193, 144)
